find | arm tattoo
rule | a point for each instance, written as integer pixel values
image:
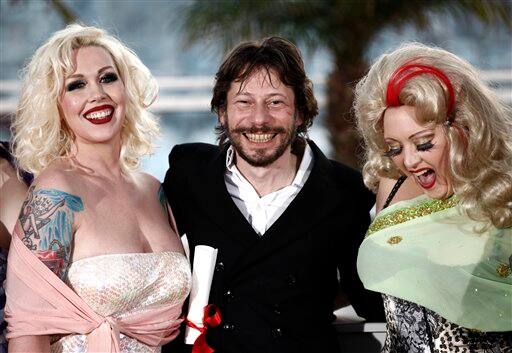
(165, 205)
(46, 226)
(162, 198)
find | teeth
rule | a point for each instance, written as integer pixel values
(259, 137)
(422, 172)
(99, 114)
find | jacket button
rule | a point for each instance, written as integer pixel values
(229, 296)
(291, 280)
(277, 332)
(219, 267)
(228, 327)
(277, 309)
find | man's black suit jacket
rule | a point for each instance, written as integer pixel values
(276, 291)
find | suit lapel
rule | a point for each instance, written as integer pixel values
(316, 199)
(210, 190)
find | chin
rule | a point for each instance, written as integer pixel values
(439, 194)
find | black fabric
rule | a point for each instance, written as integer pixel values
(5, 153)
(276, 292)
(393, 192)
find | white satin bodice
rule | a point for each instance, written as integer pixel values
(116, 285)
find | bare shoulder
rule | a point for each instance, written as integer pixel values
(6, 170)
(146, 183)
(48, 217)
(57, 187)
(12, 194)
(9, 181)
(9, 178)
(149, 188)
(407, 190)
(147, 180)
(59, 176)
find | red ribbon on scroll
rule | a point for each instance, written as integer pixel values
(211, 318)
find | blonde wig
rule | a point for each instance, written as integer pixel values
(41, 136)
(480, 138)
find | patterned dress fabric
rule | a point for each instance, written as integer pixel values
(414, 329)
(117, 285)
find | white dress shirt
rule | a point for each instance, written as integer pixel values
(262, 212)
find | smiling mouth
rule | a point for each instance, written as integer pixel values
(259, 138)
(426, 177)
(100, 116)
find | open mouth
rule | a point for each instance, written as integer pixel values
(259, 138)
(425, 177)
(99, 115)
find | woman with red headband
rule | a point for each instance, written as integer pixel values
(442, 259)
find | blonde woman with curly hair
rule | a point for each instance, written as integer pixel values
(94, 264)
(442, 260)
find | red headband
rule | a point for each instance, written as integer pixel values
(405, 73)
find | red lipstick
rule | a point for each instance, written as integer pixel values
(426, 180)
(102, 118)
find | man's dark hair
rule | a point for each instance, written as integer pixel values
(273, 53)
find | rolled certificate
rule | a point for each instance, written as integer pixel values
(202, 274)
(186, 248)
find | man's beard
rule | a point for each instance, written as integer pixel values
(261, 157)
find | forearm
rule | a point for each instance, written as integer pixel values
(33, 344)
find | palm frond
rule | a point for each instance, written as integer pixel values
(329, 23)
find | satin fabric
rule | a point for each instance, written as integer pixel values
(424, 252)
(39, 303)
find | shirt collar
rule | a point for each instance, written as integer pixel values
(230, 158)
(304, 167)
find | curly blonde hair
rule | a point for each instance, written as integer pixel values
(40, 135)
(480, 139)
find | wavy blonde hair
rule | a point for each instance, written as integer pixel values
(41, 136)
(480, 139)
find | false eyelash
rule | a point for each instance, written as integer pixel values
(109, 77)
(74, 85)
(425, 146)
(392, 152)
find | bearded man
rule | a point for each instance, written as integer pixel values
(284, 218)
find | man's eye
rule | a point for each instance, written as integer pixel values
(276, 103)
(391, 152)
(75, 85)
(424, 146)
(109, 77)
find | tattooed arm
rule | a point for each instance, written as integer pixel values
(166, 208)
(46, 226)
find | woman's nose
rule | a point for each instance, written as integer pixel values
(97, 93)
(411, 158)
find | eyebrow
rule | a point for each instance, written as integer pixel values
(413, 135)
(421, 132)
(247, 93)
(99, 72)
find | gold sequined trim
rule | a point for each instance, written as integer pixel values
(409, 213)
(395, 240)
(503, 270)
